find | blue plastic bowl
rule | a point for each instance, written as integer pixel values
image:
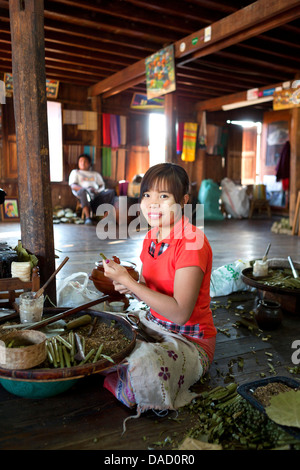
(34, 389)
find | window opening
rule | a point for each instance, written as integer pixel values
(157, 138)
(55, 140)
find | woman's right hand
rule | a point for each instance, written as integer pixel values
(120, 288)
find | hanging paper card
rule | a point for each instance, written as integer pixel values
(51, 86)
(286, 99)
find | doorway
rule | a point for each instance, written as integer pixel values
(251, 144)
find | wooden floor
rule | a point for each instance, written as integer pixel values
(89, 417)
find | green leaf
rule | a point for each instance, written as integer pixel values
(284, 408)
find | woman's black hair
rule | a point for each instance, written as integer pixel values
(168, 177)
(84, 155)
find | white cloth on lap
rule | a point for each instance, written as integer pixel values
(161, 373)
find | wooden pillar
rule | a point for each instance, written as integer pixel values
(294, 162)
(199, 164)
(97, 107)
(30, 107)
(171, 116)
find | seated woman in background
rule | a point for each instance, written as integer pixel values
(88, 186)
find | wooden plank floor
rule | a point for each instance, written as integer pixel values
(88, 417)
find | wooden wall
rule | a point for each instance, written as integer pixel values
(74, 97)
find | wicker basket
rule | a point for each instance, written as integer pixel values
(30, 355)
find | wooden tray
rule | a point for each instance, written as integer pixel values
(246, 276)
(246, 391)
(80, 370)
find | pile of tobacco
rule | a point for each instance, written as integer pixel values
(227, 419)
(280, 278)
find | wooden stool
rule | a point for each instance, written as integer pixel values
(258, 200)
(79, 209)
(12, 287)
(260, 205)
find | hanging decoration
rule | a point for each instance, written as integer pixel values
(160, 72)
(189, 141)
(202, 135)
(51, 86)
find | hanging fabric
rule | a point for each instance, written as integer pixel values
(90, 121)
(179, 139)
(123, 130)
(118, 129)
(189, 142)
(106, 129)
(91, 151)
(283, 166)
(106, 162)
(202, 135)
(114, 134)
(113, 164)
(121, 165)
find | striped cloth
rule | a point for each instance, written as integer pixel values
(189, 142)
(106, 129)
(106, 162)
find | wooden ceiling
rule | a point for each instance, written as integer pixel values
(89, 41)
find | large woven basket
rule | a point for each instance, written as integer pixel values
(30, 355)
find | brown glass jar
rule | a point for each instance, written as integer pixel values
(268, 314)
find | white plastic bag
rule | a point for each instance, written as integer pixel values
(235, 199)
(72, 293)
(227, 279)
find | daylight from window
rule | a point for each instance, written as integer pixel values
(55, 140)
(157, 138)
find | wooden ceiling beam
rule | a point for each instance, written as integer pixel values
(107, 39)
(127, 12)
(106, 23)
(267, 66)
(216, 104)
(83, 57)
(91, 29)
(56, 75)
(213, 72)
(241, 25)
(205, 12)
(254, 24)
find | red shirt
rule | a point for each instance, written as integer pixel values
(188, 246)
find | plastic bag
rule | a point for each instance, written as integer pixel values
(71, 293)
(209, 195)
(227, 279)
(235, 199)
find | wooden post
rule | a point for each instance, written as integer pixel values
(199, 164)
(30, 107)
(170, 113)
(294, 162)
(97, 107)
